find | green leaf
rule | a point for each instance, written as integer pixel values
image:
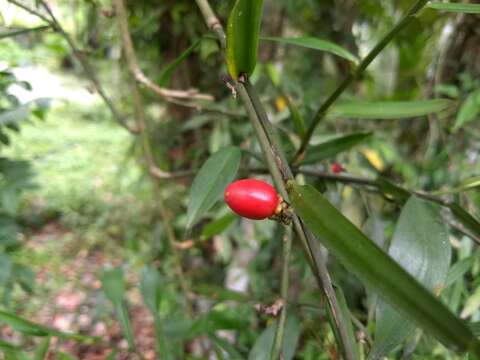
(122, 313)
(20, 113)
(243, 29)
(170, 68)
(27, 327)
(465, 218)
(41, 352)
(113, 285)
(465, 185)
(469, 110)
(263, 345)
(207, 188)
(226, 346)
(297, 118)
(219, 293)
(5, 268)
(218, 226)
(458, 269)
(151, 287)
(456, 7)
(377, 270)
(316, 44)
(15, 32)
(5, 345)
(65, 356)
(333, 147)
(388, 109)
(420, 245)
(475, 327)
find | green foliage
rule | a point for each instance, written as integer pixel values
(420, 246)
(243, 31)
(316, 44)
(89, 175)
(210, 183)
(379, 272)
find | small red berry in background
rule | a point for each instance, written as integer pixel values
(252, 199)
(337, 168)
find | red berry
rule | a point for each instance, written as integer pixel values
(337, 168)
(253, 199)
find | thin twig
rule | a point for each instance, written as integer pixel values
(362, 66)
(152, 168)
(88, 70)
(139, 76)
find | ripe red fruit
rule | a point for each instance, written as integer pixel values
(251, 198)
(337, 168)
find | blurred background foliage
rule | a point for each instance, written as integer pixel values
(78, 213)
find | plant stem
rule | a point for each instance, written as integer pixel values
(279, 333)
(148, 153)
(322, 111)
(280, 172)
(212, 22)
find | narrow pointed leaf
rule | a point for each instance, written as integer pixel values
(458, 269)
(388, 109)
(456, 7)
(263, 345)
(297, 118)
(469, 110)
(150, 287)
(466, 185)
(316, 44)
(331, 148)
(213, 177)
(171, 67)
(465, 218)
(15, 32)
(243, 29)
(377, 270)
(28, 327)
(420, 245)
(113, 285)
(41, 352)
